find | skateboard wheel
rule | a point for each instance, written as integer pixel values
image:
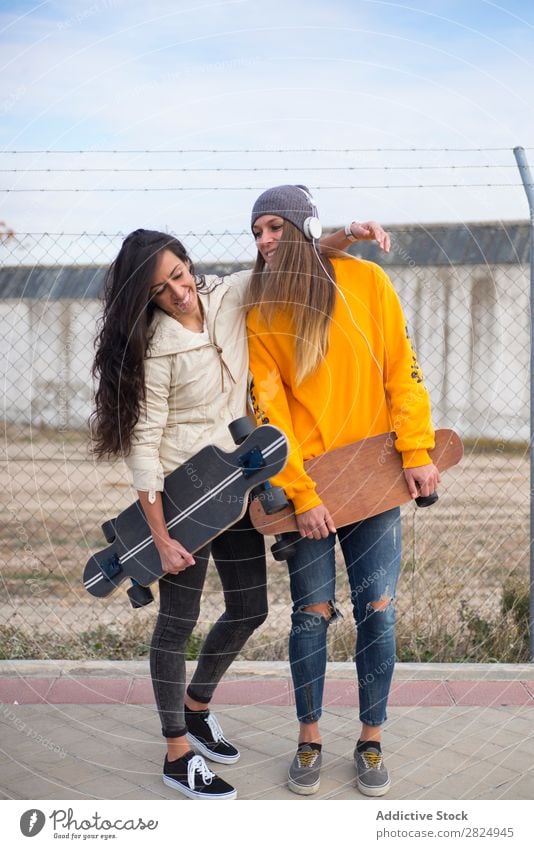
(284, 547)
(108, 529)
(240, 429)
(426, 500)
(140, 596)
(273, 499)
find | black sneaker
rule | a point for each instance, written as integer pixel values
(205, 734)
(192, 776)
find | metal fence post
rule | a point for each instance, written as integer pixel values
(528, 183)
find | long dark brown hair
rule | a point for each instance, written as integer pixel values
(299, 284)
(123, 339)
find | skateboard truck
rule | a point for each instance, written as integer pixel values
(111, 568)
(273, 499)
(252, 462)
(139, 596)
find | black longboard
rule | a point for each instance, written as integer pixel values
(201, 499)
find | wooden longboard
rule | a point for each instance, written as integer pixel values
(201, 498)
(359, 480)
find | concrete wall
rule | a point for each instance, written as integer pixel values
(471, 327)
(46, 350)
(470, 324)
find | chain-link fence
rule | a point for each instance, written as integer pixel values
(463, 593)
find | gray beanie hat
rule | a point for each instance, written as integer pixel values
(292, 203)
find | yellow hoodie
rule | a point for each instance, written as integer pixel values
(369, 382)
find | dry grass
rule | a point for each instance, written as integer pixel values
(459, 556)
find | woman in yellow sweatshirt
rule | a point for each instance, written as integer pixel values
(332, 363)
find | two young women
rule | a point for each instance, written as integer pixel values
(172, 370)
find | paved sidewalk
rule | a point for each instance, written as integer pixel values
(76, 730)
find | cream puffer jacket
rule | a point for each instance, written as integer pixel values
(196, 383)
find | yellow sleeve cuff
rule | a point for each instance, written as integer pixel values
(412, 459)
(305, 500)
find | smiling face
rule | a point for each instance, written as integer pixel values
(174, 290)
(268, 230)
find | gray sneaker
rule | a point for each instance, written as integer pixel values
(372, 775)
(304, 772)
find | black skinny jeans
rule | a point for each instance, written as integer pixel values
(239, 556)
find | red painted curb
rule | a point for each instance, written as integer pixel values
(138, 691)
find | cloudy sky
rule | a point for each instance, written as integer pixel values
(206, 94)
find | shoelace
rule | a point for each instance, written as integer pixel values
(198, 764)
(215, 728)
(373, 760)
(306, 759)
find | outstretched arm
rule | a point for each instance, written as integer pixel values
(367, 232)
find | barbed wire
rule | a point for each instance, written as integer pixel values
(276, 150)
(255, 169)
(261, 188)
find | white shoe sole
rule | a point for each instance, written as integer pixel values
(212, 756)
(303, 789)
(373, 791)
(193, 794)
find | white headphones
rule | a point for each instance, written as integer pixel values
(312, 227)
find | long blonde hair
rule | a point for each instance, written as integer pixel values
(298, 285)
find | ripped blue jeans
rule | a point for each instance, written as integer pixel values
(371, 550)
